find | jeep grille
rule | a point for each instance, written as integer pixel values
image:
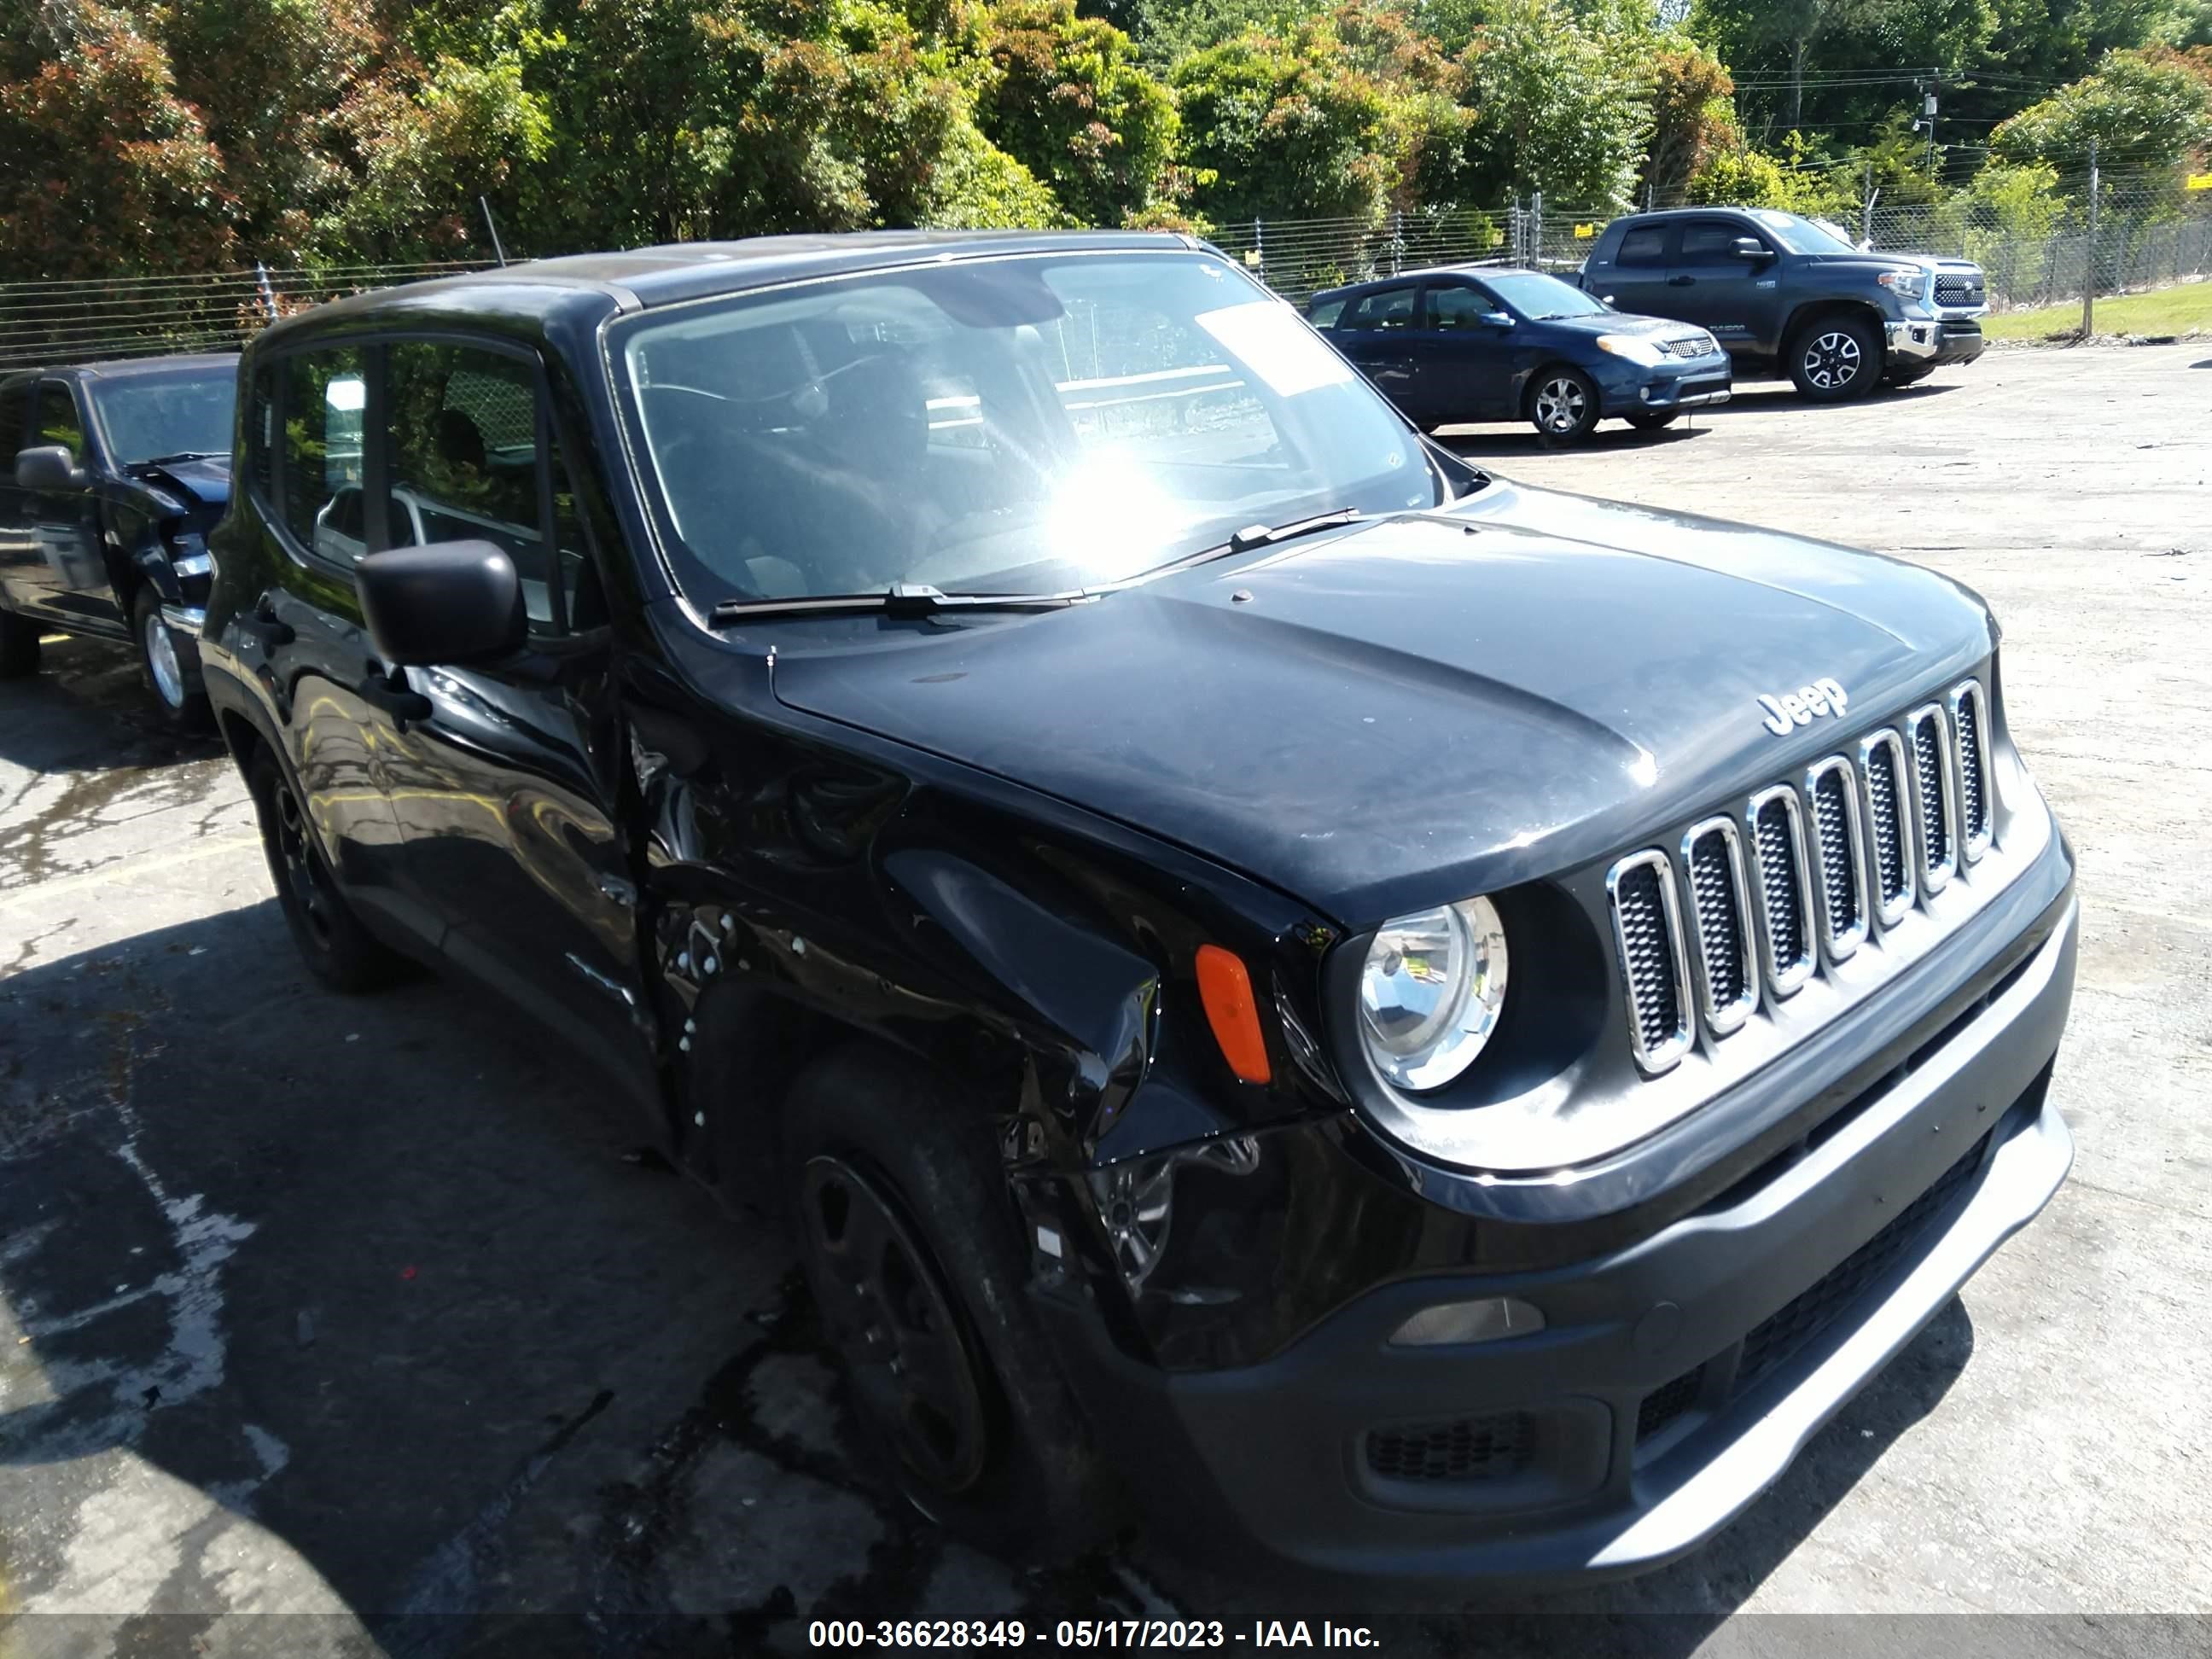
(1798, 876)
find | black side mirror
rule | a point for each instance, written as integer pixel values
(1750, 249)
(451, 602)
(1497, 318)
(50, 467)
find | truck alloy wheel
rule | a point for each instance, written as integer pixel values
(884, 1303)
(1834, 358)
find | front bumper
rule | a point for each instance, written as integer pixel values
(1676, 1377)
(1923, 343)
(1680, 384)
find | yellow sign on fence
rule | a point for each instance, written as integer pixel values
(2200, 182)
(1584, 232)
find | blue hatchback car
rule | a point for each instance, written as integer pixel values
(1490, 342)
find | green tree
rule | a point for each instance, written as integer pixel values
(103, 168)
(1065, 96)
(1555, 109)
(1293, 127)
(1798, 51)
(2141, 112)
(1692, 115)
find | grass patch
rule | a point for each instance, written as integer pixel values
(2168, 311)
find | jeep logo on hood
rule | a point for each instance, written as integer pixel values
(1794, 709)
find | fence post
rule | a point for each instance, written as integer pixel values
(2089, 258)
(1866, 206)
(1397, 240)
(1260, 247)
(1536, 230)
(268, 295)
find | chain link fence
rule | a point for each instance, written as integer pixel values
(69, 322)
(2036, 248)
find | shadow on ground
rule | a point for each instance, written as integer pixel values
(377, 1275)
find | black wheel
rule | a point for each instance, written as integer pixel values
(19, 646)
(1653, 420)
(1563, 404)
(913, 1251)
(1835, 358)
(338, 949)
(169, 664)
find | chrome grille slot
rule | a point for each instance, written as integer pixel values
(1647, 929)
(1720, 915)
(1934, 798)
(1888, 827)
(1840, 841)
(1973, 763)
(1785, 888)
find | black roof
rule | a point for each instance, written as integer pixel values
(641, 278)
(124, 368)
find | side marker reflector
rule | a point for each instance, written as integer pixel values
(1226, 990)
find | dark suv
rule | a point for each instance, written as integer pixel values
(1421, 1027)
(1787, 296)
(110, 475)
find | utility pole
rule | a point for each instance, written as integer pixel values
(492, 225)
(1866, 208)
(2089, 257)
(1927, 113)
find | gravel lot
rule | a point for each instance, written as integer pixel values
(357, 1307)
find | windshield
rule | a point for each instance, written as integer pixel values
(183, 413)
(1800, 235)
(1541, 298)
(1036, 423)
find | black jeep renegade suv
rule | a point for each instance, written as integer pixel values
(1424, 1028)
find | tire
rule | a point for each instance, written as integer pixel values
(913, 1252)
(1653, 420)
(337, 950)
(1562, 405)
(168, 666)
(19, 646)
(1833, 359)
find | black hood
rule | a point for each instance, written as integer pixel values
(1422, 707)
(200, 482)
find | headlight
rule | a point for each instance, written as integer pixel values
(1634, 347)
(1431, 991)
(1908, 280)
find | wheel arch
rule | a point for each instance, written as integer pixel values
(1812, 311)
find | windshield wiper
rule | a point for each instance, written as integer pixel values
(1260, 535)
(899, 599)
(184, 455)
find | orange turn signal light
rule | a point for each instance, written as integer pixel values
(1226, 990)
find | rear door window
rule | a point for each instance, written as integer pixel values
(1384, 310)
(1645, 245)
(1325, 314)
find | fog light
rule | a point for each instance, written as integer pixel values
(1469, 1322)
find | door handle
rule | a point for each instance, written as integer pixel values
(1681, 282)
(392, 695)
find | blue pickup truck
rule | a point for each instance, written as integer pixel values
(1786, 296)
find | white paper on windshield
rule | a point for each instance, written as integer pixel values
(1276, 345)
